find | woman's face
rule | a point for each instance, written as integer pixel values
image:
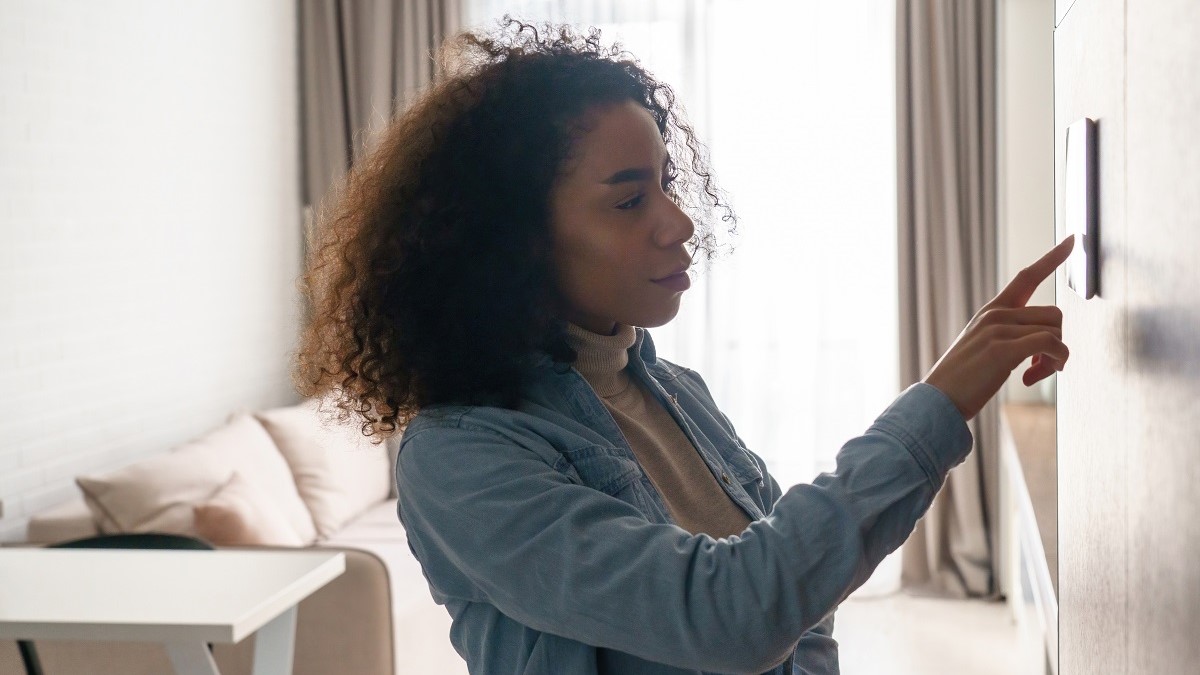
(617, 235)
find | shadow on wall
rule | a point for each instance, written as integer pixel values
(1165, 341)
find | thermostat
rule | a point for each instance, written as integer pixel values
(1079, 208)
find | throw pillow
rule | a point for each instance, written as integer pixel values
(338, 471)
(240, 515)
(157, 494)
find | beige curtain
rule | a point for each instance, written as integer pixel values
(361, 61)
(945, 84)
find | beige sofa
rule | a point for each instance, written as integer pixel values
(277, 479)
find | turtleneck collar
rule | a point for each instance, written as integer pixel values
(602, 358)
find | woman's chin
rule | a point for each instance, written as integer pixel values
(658, 318)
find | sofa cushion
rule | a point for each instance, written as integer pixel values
(421, 627)
(239, 514)
(379, 522)
(158, 493)
(338, 471)
(69, 520)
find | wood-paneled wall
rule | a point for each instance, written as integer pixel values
(1129, 400)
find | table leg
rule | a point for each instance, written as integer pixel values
(274, 645)
(191, 658)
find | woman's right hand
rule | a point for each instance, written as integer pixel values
(1001, 336)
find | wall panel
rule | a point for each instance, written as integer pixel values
(1163, 294)
(1089, 81)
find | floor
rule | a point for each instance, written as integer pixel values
(897, 634)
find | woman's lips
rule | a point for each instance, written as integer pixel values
(676, 282)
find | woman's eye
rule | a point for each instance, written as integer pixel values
(630, 203)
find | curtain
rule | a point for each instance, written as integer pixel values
(361, 61)
(945, 86)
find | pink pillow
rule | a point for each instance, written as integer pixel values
(240, 515)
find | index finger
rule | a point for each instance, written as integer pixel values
(1021, 288)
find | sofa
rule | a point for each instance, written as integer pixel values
(288, 478)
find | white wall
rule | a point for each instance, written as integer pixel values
(149, 230)
(1025, 143)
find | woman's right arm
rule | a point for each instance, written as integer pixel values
(492, 521)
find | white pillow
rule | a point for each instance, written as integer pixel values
(338, 471)
(240, 515)
(157, 494)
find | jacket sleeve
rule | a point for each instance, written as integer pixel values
(816, 652)
(492, 521)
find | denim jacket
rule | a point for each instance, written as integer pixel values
(540, 533)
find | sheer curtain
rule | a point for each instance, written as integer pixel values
(796, 332)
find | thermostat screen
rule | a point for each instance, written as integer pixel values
(1079, 207)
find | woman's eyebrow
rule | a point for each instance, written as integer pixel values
(628, 176)
(632, 175)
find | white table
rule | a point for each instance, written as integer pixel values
(183, 599)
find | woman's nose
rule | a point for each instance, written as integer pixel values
(676, 226)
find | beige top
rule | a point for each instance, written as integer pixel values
(690, 490)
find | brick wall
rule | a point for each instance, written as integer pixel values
(149, 231)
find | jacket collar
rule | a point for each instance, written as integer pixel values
(644, 347)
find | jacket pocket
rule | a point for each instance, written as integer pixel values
(608, 470)
(743, 466)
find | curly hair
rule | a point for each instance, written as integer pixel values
(429, 277)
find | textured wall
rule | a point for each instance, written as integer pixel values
(1162, 288)
(1129, 401)
(149, 230)
(1089, 75)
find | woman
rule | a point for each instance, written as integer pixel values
(579, 505)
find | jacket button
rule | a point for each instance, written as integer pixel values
(725, 477)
